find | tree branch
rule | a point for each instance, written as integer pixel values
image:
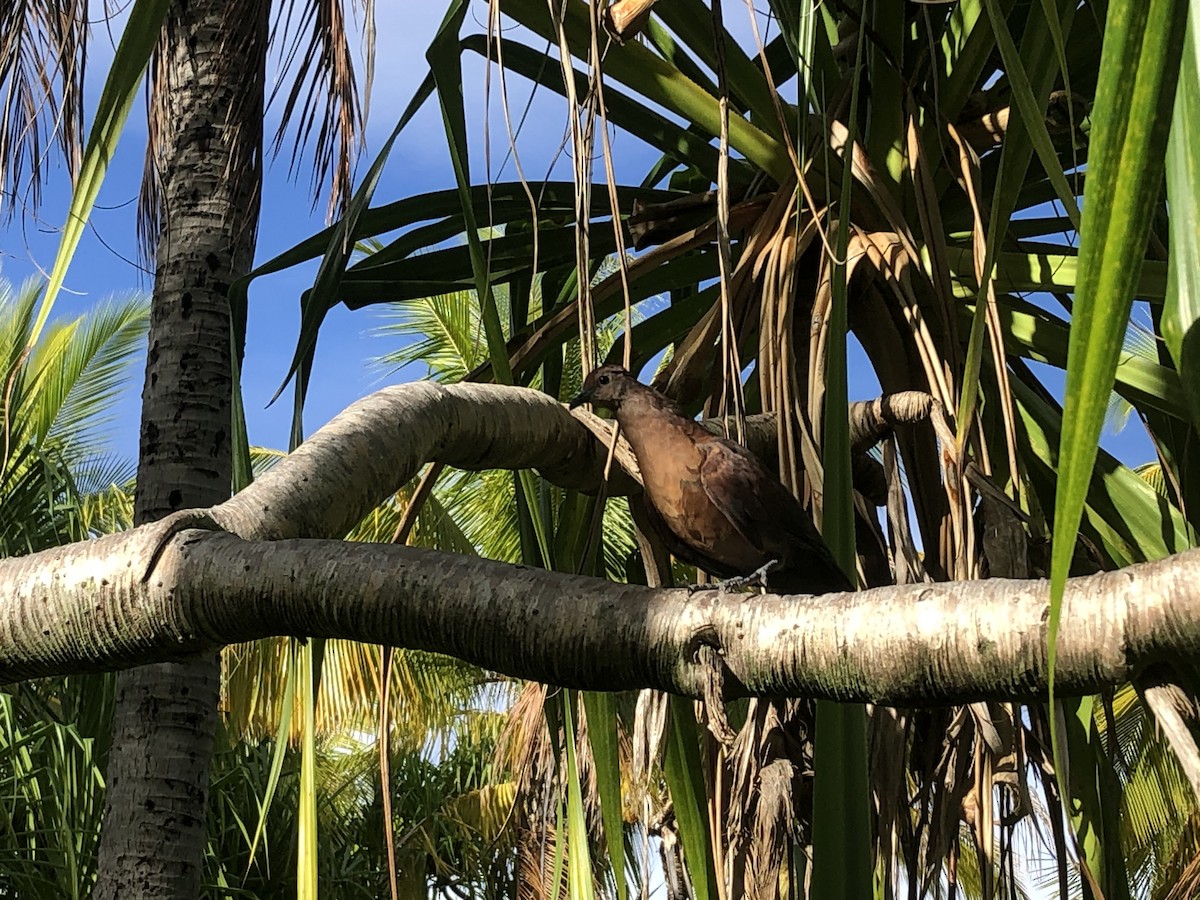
(372, 448)
(87, 607)
(169, 590)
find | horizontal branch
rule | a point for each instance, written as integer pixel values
(90, 606)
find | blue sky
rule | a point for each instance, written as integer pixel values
(343, 369)
(106, 260)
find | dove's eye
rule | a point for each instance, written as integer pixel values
(603, 379)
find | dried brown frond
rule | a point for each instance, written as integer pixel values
(786, 317)
(1004, 541)
(596, 58)
(582, 113)
(518, 748)
(671, 852)
(818, 336)
(969, 164)
(1177, 715)
(885, 333)
(524, 749)
(691, 374)
(892, 266)
(880, 200)
(527, 351)
(537, 761)
(623, 19)
(772, 830)
(536, 851)
(324, 94)
(649, 729)
(933, 230)
(495, 49)
(1188, 885)
(43, 45)
(907, 562)
(887, 747)
(769, 794)
(888, 257)
(150, 209)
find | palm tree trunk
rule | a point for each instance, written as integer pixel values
(206, 149)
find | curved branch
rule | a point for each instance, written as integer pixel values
(86, 607)
(365, 453)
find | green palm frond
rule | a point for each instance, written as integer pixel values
(58, 483)
(60, 404)
(17, 309)
(1152, 474)
(81, 367)
(1159, 811)
(428, 693)
(1117, 413)
(51, 775)
(445, 333)
(64, 389)
(263, 458)
(102, 472)
(484, 506)
(435, 528)
(37, 501)
(107, 510)
(16, 323)
(619, 542)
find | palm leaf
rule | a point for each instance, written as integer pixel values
(81, 368)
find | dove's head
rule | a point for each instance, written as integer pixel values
(608, 387)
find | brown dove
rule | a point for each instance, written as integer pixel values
(714, 504)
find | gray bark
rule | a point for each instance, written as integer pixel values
(119, 601)
(207, 128)
(87, 607)
(376, 445)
